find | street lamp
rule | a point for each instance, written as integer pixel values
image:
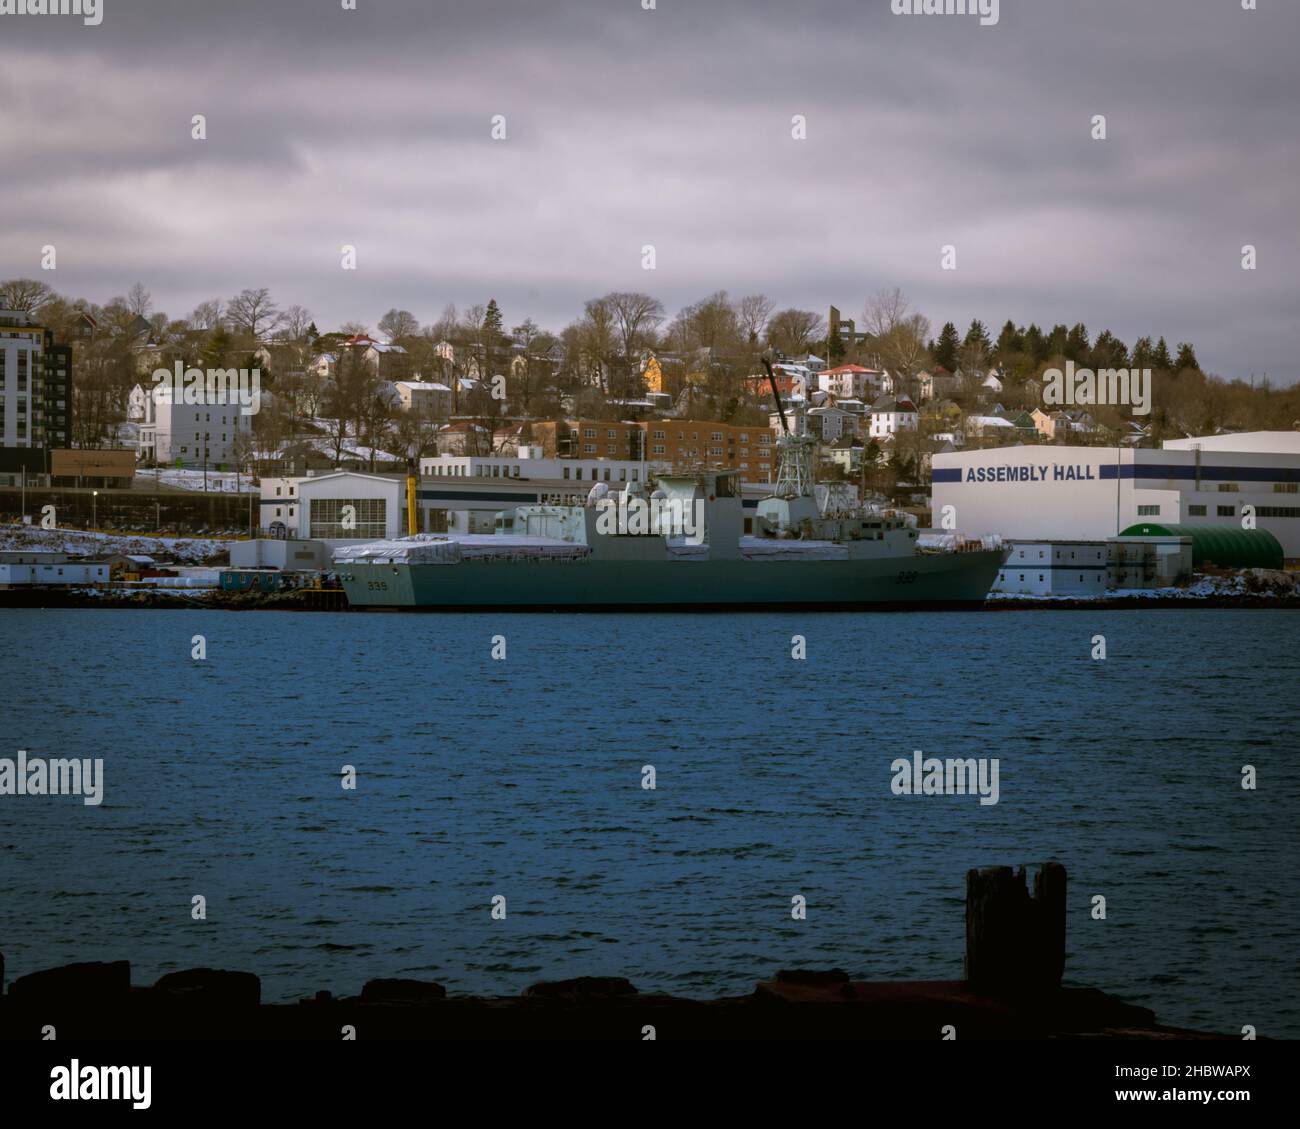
(94, 520)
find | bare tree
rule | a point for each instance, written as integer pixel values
(444, 329)
(883, 311)
(208, 315)
(636, 316)
(752, 313)
(474, 332)
(398, 323)
(253, 312)
(793, 331)
(903, 349)
(139, 301)
(24, 294)
(297, 321)
(596, 333)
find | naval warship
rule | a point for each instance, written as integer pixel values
(678, 547)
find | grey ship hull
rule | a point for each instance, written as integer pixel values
(923, 580)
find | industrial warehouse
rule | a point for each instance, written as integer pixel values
(1241, 484)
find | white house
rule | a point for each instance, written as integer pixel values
(890, 415)
(425, 398)
(855, 381)
(989, 425)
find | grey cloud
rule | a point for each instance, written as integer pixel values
(670, 127)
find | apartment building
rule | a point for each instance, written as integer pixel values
(35, 385)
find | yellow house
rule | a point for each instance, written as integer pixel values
(654, 376)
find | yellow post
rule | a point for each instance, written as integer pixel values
(411, 513)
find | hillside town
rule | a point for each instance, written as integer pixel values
(883, 395)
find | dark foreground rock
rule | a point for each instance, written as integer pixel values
(1015, 954)
(799, 1004)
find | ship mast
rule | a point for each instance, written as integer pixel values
(797, 450)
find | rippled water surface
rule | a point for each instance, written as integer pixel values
(523, 777)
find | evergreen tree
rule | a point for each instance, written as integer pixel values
(1056, 341)
(493, 333)
(1161, 356)
(1035, 344)
(834, 346)
(945, 349)
(1109, 351)
(1010, 340)
(978, 336)
(217, 348)
(1186, 359)
(1076, 344)
(1143, 353)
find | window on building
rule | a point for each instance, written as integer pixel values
(1148, 511)
(327, 518)
(1286, 487)
(1229, 488)
(1227, 511)
(1195, 511)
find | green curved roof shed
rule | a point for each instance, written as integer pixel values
(1227, 548)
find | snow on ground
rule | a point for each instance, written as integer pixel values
(80, 543)
(219, 482)
(1250, 582)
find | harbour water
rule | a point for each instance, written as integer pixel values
(522, 777)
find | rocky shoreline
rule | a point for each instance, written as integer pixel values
(1015, 955)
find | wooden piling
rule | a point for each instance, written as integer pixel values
(1015, 942)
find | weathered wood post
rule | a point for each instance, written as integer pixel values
(1015, 942)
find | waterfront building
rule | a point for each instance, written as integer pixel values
(455, 493)
(1054, 568)
(1098, 492)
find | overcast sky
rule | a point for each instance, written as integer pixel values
(670, 127)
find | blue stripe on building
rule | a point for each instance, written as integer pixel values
(1152, 472)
